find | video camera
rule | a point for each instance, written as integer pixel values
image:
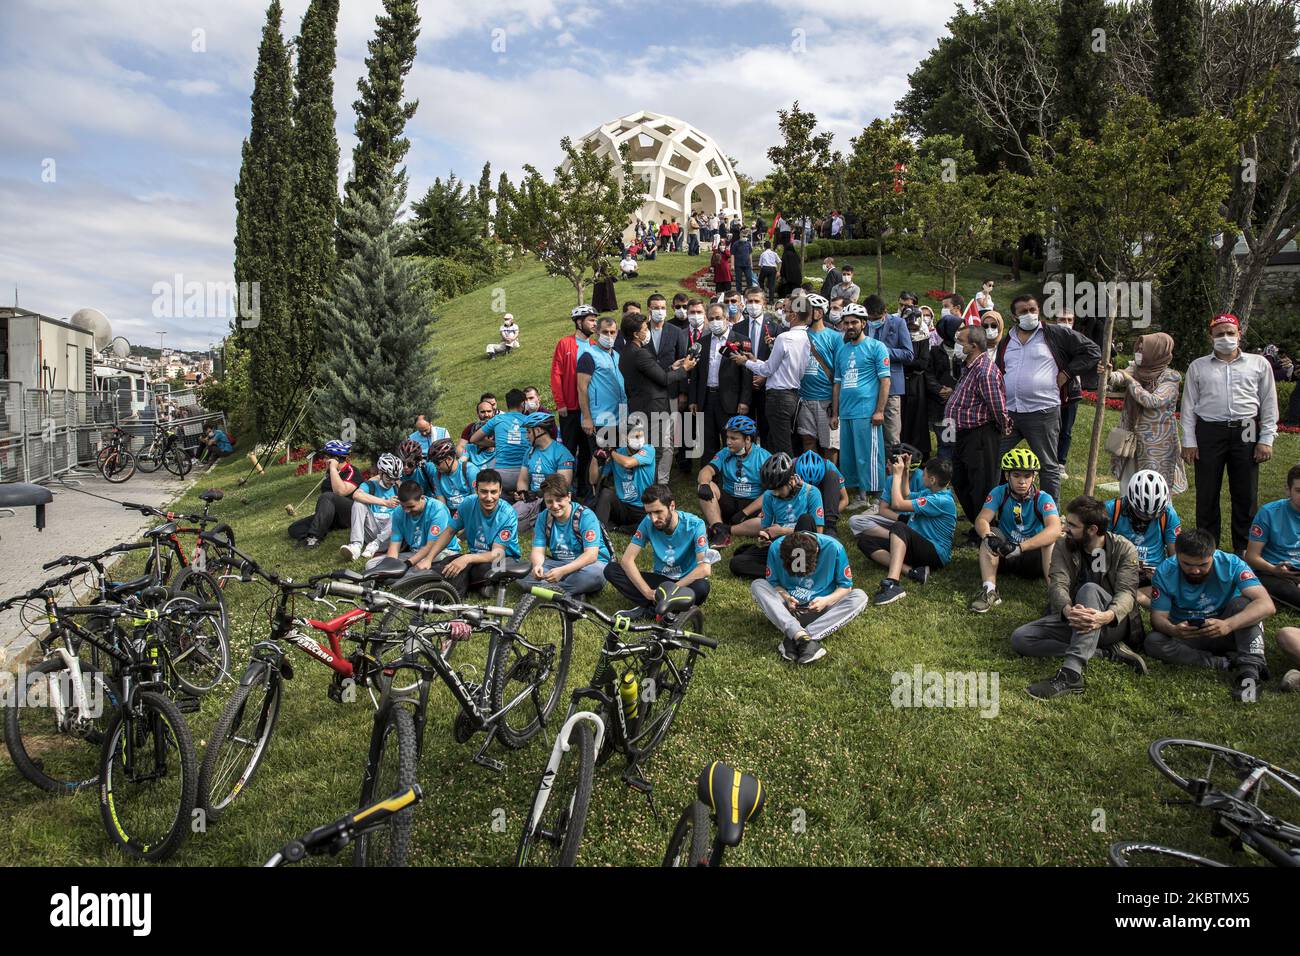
(910, 314)
(693, 353)
(901, 448)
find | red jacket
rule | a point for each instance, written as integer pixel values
(564, 374)
(722, 266)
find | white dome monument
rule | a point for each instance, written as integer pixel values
(683, 169)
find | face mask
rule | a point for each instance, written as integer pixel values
(733, 309)
(875, 323)
(835, 316)
(635, 444)
(958, 350)
(1029, 321)
(991, 334)
(697, 320)
(1137, 358)
(1226, 344)
(657, 316)
(826, 268)
(607, 341)
(532, 406)
(753, 309)
(679, 313)
(718, 327)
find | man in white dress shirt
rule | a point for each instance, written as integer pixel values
(1229, 421)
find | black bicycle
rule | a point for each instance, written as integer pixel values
(728, 799)
(165, 450)
(643, 674)
(334, 837)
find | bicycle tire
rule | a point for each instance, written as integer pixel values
(1238, 761)
(164, 720)
(147, 463)
(119, 467)
(177, 462)
(565, 835)
(385, 644)
(215, 774)
(203, 584)
(1124, 852)
(657, 714)
(197, 645)
(32, 756)
(389, 844)
(691, 843)
(513, 668)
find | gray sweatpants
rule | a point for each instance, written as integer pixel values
(860, 522)
(368, 526)
(1052, 635)
(839, 613)
(1042, 430)
(1246, 642)
(894, 419)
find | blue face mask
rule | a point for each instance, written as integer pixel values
(876, 323)
(732, 309)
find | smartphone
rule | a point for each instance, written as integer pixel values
(1195, 622)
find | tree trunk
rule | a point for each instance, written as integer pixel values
(952, 279)
(579, 287)
(1094, 444)
(880, 266)
(1015, 263)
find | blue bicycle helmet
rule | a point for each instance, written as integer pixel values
(741, 423)
(538, 420)
(811, 467)
(336, 447)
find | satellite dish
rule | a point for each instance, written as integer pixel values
(120, 347)
(96, 323)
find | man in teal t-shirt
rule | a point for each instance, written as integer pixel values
(510, 434)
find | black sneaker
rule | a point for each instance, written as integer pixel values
(920, 574)
(889, 592)
(1123, 654)
(787, 650)
(636, 613)
(310, 542)
(1064, 681)
(810, 651)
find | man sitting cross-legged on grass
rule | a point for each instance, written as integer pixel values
(491, 530)
(1146, 516)
(680, 547)
(546, 457)
(570, 548)
(786, 500)
(729, 485)
(418, 520)
(1274, 547)
(1019, 526)
(921, 544)
(631, 470)
(1208, 608)
(334, 503)
(1092, 593)
(808, 592)
(377, 497)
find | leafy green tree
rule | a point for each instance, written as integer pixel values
(501, 227)
(575, 222)
(380, 364)
(945, 215)
(879, 153)
(1081, 62)
(1015, 211)
(485, 198)
(801, 166)
(448, 223)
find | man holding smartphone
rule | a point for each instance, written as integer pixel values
(1274, 548)
(1208, 609)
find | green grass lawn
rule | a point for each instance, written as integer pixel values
(851, 778)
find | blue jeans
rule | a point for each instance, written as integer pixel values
(745, 275)
(586, 580)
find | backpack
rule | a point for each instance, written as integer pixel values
(575, 522)
(1119, 509)
(1038, 512)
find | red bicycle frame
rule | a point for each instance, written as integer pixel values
(334, 630)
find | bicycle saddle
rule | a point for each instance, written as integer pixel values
(388, 569)
(119, 588)
(212, 494)
(672, 599)
(509, 571)
(734, 797)
(162, 531)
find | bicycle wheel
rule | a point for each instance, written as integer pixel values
(518, 669)
(148, 462)
(59, 755)
(392, 639)
(663, 685)
(118, 467)
(553, 839)
(691, 843)
(196, 643)
(239, 742)
(1138, 853)
(1195, 767)
(177, 462)
(147, 806)
(391, 769)
(204, 586)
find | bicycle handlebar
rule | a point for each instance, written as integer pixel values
(581, 607)
(332, 837)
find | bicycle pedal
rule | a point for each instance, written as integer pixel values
(188, 705)
(335, 692)
(490, 762)
(639, 784)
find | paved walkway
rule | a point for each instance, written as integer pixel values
(75, 523)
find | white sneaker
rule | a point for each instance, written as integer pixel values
(350, 552)
(874, 509)
(1291, 681)
(370, 550)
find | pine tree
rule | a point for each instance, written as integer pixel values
(1081, 62)
(262, 246)
(380, 364)
(381, 112)
(501, 226)
(485, 198)
(448, 224)
(315, 183)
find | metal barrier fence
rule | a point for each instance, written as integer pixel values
(45, 433)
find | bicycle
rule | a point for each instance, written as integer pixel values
(1141, 853)
(1237, 796)
(165, 450)
(332, 838)
(733, 799)
(634, 709)
(114, 459)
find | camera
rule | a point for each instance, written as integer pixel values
(910, 314)
(903, 448)
(693, 353)
(601, 455)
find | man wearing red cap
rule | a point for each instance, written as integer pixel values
(1229, 421)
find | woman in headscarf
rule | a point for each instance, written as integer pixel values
(1150, 399)
(940, 379)
(915, 430)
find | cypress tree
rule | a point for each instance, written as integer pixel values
(485, 198)
(381, 113)
(380, 364)
(501, 222)
(262, 246)
(315, 183)
(1081, 65)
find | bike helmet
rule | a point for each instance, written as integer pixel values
(410, 451)
(581, 311)
(337, 448)
(539, 420)
(741, 423)
(1147, 494)
(811, 467)
(853, 309)
(442, 450)
(817, 301)
(389, 466)
(776, 471)
(1020, 459)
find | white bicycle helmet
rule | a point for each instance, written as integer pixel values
(389, 466)
(1147, 494)
(854, 308)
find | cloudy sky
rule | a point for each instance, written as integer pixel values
(122, 119)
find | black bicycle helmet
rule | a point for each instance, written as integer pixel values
(776, 471)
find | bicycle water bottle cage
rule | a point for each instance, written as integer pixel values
(734, 797)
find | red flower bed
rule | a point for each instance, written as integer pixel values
(700, 282)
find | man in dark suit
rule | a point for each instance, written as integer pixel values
(761, 328)
(719, 389)
(668, 344)
(649, 386)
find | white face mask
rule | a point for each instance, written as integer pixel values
(679, 313)
(532, 406)
(991, 334)
(696, 319)
(607, 341)
(718, 326)
(1227, 344)
(1029, 321)
(825, 268)
(1137, 358)
(754, 309)
(635, 444)
(958, 350)
(835, 316)
(657, 316)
